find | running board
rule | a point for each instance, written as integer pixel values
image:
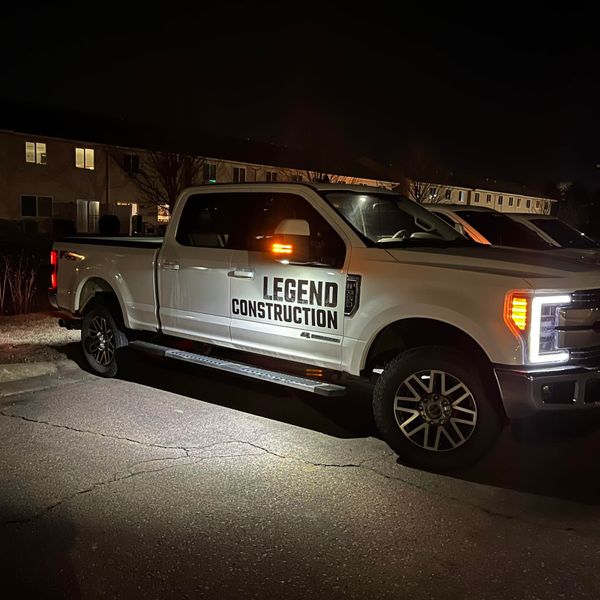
(321, 388)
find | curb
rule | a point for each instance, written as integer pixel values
(25, 370)
(58, 373)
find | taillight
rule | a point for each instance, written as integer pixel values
(54, 265)
(515, 312)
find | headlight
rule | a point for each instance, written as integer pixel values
(534, 320)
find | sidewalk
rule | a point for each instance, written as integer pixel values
(32, 346)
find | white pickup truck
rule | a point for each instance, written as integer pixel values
(341, 282)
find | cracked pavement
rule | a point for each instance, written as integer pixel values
(175, 482)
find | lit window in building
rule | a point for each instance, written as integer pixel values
(88, 215)
(36, 206)
(35, 152)
(84, 158)
(239, 174)
(448, 194)
(163, 214)
(460, 195)
(271, 176)
(432, 193)
(210, 172)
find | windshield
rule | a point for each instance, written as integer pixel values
(391, 219)
(564, 234)
(501, 230)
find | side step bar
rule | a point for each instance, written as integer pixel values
(321, 388)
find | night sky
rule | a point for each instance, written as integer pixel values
(506, 94)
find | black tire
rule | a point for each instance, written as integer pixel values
(418, 441)
(102, 335)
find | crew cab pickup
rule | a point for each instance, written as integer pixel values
(314, 285)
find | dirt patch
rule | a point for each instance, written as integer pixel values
(33, 338)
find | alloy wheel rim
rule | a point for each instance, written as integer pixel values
(100, 341)
(435, 410)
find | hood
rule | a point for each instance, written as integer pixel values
(531, 265)
(585, 254)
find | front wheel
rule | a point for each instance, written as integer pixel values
(433, 408)
(101, 337)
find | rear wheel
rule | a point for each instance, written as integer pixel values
(102, 334)
(433, 407)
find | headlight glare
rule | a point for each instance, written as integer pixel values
(542, 329)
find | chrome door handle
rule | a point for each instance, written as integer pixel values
(242, 274)
(170, 265)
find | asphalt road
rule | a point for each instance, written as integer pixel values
(176, 482)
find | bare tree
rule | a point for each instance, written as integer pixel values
(321, 177)
(424, 191)
(162, 176)
(575, 204)
(425, 175)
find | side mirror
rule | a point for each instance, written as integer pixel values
(291, 241)
(293, 227)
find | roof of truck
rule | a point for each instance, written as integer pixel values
(321, 187)
(459, 207)
(531, 216)
(342, 187)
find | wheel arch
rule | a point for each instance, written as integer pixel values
(410, 333)
(97, 286)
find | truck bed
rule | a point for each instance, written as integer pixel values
(123, 265)
(131, 242)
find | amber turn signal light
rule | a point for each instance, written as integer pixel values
(515, 312)
(282, 249)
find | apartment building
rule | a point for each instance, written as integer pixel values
(52, 185)
(55, 185)
(513, 199)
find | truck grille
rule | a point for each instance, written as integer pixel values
(585, 355)
(586, 299)
(578, 327)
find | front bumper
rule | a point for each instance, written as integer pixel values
(527, 392)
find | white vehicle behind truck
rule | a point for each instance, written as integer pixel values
(559, 233)
(347, 282)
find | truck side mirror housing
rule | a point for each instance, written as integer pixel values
(293, 227)
(291, 241)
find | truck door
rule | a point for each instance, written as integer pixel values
(287, 305)
(193, 269)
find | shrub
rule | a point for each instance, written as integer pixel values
(17, 283)
(4, 279)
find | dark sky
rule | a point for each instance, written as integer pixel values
(501, 93)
